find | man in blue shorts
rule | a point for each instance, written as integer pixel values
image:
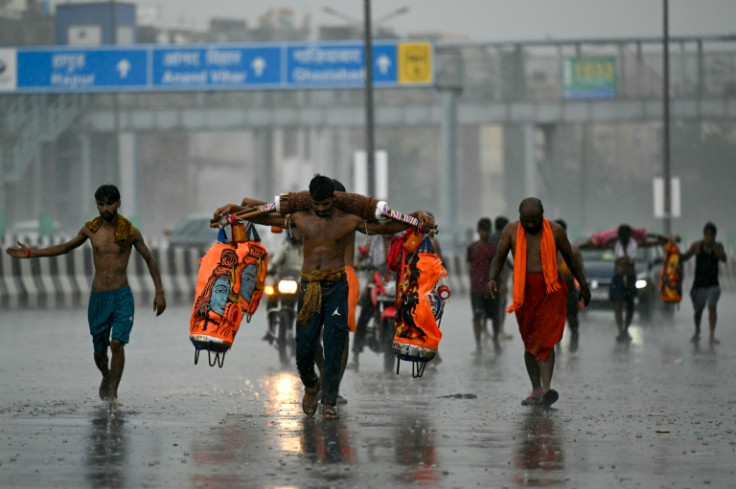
(706, 289)
(111, 310)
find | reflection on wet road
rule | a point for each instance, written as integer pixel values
(539, 457)
(107, 448)
(647, 414)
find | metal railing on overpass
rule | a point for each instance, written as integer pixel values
(498, 82)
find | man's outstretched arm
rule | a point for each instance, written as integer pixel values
(266, 219)
(392, 226)
(24, 251)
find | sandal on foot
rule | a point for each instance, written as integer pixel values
(532, 400)
(550, 397)
(330, 412)
(309, 401)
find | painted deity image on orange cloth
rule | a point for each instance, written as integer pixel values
(217, 306)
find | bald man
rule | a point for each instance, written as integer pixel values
(539, 294)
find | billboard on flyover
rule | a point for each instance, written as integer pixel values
(589, 77)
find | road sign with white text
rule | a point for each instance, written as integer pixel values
(81, 70)
(216, 67)
(154, 68)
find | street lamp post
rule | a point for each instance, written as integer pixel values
(666, 129)
(370, 144)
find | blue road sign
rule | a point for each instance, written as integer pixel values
(81, 70)
(216, 67)
(338, 65)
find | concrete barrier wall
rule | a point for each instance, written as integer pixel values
(65, 281)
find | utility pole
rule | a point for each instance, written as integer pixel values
(666, 176)
(370, 142)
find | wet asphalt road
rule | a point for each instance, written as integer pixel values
(657, 413)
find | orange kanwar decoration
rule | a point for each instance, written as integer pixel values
(230, 285)
(670, 279)
(420, 302)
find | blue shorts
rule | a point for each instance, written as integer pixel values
(703, 296)
(108, 311)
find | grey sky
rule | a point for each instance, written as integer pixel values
(484, 19)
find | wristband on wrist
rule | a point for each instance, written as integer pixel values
(28, 253)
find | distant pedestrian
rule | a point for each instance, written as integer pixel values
(706, 288)
(623, 283)
(111, 308)
(573, 290)
(498, 224)
(479, 257)
(539, 295)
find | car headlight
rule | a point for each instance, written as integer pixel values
(594, 284)
(288, 287)
(641, 284)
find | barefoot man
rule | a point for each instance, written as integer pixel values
(110, 310)
(706, 289)
(539, 294)
(323, 301)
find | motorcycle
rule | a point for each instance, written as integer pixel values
(283, 296)
(379, 315)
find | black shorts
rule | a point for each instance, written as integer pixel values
(623, 288)
(484, 304)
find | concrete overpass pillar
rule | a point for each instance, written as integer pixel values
(530, 170)
(85, 170)
(129, 174)
(264, 163)
(449, 182)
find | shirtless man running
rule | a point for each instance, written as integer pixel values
(539, 294)
(323, 303)
(111, 308)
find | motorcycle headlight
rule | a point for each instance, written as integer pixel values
(641, 283)
(268, 290)
(288, 287)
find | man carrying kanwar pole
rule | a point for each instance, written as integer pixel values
(539, 293)
(111, 309)
(323, 298)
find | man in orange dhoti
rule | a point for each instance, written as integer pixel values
(539, 294)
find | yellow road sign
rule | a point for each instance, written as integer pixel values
(415, 62)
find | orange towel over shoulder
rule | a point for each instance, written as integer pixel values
(539, 299)
(549, 264)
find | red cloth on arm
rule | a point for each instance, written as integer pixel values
(542, 317)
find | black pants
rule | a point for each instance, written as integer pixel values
(334, 317)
